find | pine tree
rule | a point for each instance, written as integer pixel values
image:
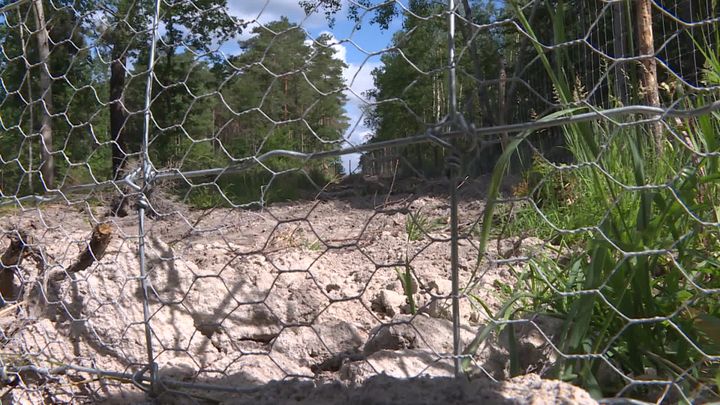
(47, 61)
(288, 92)
(191, 24)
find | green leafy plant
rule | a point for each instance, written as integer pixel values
(406, 280)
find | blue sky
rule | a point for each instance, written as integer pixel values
(355, 47)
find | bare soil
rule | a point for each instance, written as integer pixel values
(298, 303)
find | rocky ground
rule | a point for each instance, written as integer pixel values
(298, 303)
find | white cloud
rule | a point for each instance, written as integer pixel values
(358, 77)
(271, 10)
(340, 50)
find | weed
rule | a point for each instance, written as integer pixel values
(419, 224)
(406, 280)
(639, 292)
(314, 246)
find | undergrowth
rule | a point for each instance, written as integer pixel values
(636, 274)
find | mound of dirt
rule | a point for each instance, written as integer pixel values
(381, 389)
(308, 291)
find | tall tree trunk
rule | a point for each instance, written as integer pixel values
(117, 111)
(620, 50)
(46, 133)
(285, 93)
(31, 123)
(470, 35)
(648, 72)
(502, 102)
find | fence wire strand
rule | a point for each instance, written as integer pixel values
(208, 200)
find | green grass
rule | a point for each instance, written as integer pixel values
(256, 185)
(406, 280)
(636, 291)
(419, 224)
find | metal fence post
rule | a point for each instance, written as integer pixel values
(343, 307)
(453, 166)
(143, 205)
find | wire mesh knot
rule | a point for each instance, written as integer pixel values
(142, 201)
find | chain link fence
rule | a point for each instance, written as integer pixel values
(247, 202)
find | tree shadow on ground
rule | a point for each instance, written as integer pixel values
(379, 389)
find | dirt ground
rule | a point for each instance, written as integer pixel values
(297, 303)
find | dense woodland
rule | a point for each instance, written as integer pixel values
(81, 119)
(502, 80)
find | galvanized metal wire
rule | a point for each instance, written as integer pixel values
(233, 295)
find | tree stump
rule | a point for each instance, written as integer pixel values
(95, 250)
(9, 261)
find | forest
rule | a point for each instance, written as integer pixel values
(79, 118)
(628, 202)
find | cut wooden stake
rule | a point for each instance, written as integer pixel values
(95, 250)
(9, 261)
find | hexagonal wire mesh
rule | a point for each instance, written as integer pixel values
(535, 191)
